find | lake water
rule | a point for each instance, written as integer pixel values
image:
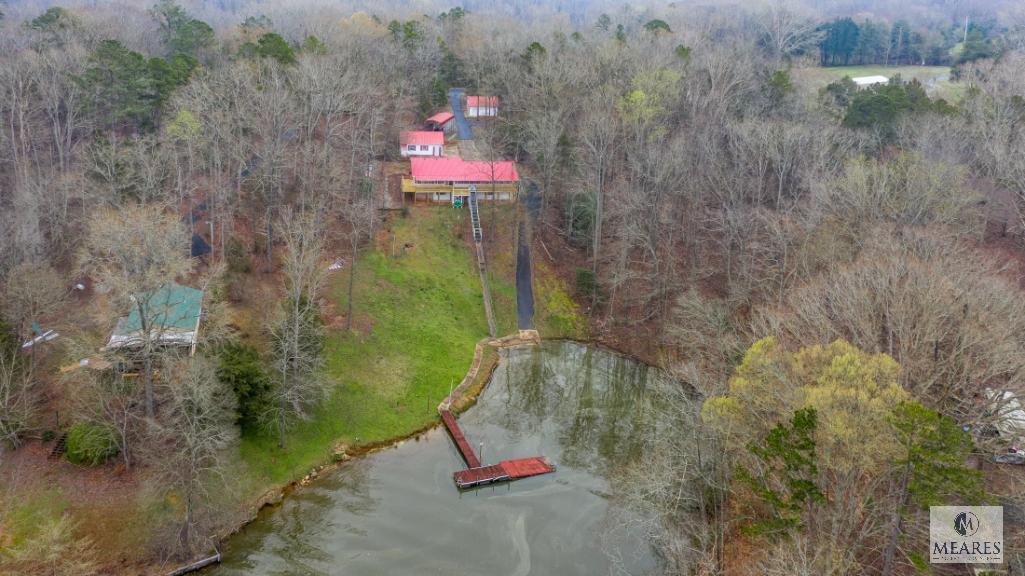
(398, 511)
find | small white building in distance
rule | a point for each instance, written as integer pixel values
(481, 106)
(422, 143)
(866, 81)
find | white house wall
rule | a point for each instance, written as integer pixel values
(479, 111)
(423, 150)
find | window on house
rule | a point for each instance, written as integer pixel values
(411, 147)
(423, 147)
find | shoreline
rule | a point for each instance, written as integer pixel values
(462, 397)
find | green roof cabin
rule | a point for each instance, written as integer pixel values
(173, 312)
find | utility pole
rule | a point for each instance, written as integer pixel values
(965, 29)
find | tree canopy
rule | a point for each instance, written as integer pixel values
(127, 87)
(853, 394)
(182, 33)
(271, 45)
(657, 26)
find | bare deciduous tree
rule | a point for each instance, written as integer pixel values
(677, 500)
(944, 312)
(133, 252)
(271, 118)
(108, 398)
(296, 333)
(786, 30)
(33, 291)
(359, 214)
(189, 448)
(599, 141)
(19, 396)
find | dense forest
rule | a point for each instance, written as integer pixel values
(836, 271)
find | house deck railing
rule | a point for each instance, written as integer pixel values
(410, 186)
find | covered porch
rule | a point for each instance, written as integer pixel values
(454, 193)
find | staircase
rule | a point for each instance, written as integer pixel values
(478, 235)
(482, 269)
(60, 447)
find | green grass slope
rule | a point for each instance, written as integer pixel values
(418, 313)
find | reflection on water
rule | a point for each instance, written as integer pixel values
(398, 512)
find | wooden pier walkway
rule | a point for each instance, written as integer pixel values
(477, 475)
(457, 436)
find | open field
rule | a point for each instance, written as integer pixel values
(936, 79)
(924, 74)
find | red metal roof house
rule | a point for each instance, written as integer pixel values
(422, 143)
(449, 180)
(459, 170)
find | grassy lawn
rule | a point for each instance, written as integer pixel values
(22, 518)
(418, 313)
(832, 73)
(556, 315)
(503, 298)
(500, 251)
(818, 77)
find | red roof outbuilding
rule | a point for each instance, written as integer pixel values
(482, 101)
(441, 118)
(458, 170)
(422, 137)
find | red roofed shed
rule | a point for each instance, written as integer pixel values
(439, 122)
